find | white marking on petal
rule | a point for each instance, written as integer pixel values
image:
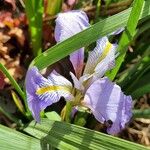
(77, 84)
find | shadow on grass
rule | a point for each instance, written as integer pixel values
(66, 136)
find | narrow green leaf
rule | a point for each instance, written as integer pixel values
(13, 140)
(9, 115)
(13, 82)
(66, 136)
(34, 10)
(86, 37)
(53, 116)
(98, 6)
(141, 87)
(133, 74)
(127, 36)
(141, 113)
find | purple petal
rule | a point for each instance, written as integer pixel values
(77, 59)
(117, 31)
(74, 111)
(101, 59)
(67, 25)
(77, 84)
(39, 101)
(108, 103)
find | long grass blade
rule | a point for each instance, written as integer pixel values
(86, 37)
(13, 140)
(127, 36)
(67, 136)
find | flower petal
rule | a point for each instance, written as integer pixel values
(108, 103)
(67, 25)
(117, 31)
(101, 58)
(42, 92)
(77, 60)
(77, 84)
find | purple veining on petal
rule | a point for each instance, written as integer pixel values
(32, 79)
(97, 66)
(38, 102)
(77, 59)
(107, 102)
(67, 25)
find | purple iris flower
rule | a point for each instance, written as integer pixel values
(90, 89)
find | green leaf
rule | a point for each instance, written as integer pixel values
(14, 84)
(10, 116)
(127, 36)
(53, 116)
(141, 113)
(142, 87)
(66, 136)
(131, 76)
(34, 11)
(13, 140)
(86, 37)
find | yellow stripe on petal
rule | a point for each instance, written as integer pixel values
(105, 52)
(52, 89)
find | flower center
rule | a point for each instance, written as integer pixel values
(78, 96)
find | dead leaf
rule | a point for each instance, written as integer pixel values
(18, 33)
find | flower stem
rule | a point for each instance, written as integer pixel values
(68, 112)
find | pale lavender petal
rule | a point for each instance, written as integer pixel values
(107, 102)
(101, 59)
(77, 59)
(117, 31)
(77, 84)
(32, 79)
(85, 77)
(67, 25)
(39, 101)
(58, 80)
(107, 63)
(74, 111)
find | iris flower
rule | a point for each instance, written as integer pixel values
(90, 88)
